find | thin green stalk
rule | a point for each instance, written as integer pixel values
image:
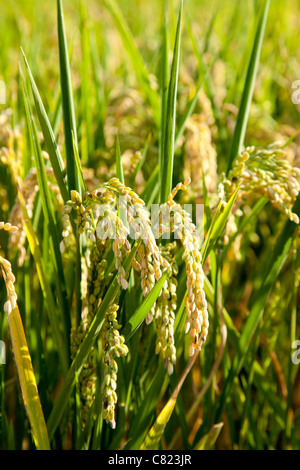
(67, 101)
(169, 126)
(164, 88)
(86, 138)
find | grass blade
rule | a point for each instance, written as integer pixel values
(153, 437)
(120, 173)
(70, 134)
(51, 144)
(100, 88)
(27, 378)
(208, 441)
(169, 126)
(217, 226)
(244, 110)
(164, 88)
(86, 137)
(78, 166)
(67, 101)
(138, 317)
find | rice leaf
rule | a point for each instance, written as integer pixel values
(51, 144)
(244, 110)
(99, 87)
(27, 379)
(169, 126)
(86, 137)
(120, 173)
(78, 166)
(209, 440)
(217, 226)
(163, 88)
(154, 435)
(67, 101)
(139, 315)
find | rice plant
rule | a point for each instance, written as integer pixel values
(149, 230)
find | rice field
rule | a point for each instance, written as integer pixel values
(149, 225)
